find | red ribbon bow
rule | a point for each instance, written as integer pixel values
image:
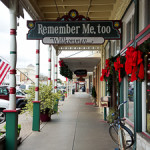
(118, 67)
(61, 63)
(106, 71)
(133, 60)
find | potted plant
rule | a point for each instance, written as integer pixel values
(48, 101)
(94, 95)
(65, 94)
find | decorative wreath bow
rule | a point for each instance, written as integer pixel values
(118, 67)
(133, 60)
(106, 71)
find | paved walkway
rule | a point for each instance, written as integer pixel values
(78, 127)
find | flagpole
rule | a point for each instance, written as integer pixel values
(17, 69)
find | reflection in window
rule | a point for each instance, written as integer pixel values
(148, 94)
(130, 103)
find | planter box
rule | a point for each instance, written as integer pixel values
(44, 117)
(2, 142)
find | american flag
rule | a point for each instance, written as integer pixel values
(4, 68)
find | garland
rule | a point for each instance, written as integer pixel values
(113, 65)
(132, 64)
(64, 70)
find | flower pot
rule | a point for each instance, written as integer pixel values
(45, 117)
(65, 94)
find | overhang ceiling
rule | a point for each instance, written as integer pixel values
(94, 9)
(87, 63)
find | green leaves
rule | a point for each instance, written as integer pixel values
(47, 99)
(93, 92)
(65, 71)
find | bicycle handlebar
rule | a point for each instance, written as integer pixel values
(121, 104)
(119, 107)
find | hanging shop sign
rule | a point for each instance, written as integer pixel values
(81, 73)
(74, 29)
(74, 32)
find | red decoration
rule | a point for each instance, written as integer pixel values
(13, 32)
(36, 76)
(12, 90)
(12, 71)
(61, 63)
(36, 88)
(133, 60)
(106, 71)
(118, 67)
(37, 51)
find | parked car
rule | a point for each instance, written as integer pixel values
(3, 105)
(19, 92)
(20, 99)
(24, 87)
(62, 89)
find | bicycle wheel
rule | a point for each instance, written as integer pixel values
(128, 136)
(2, 116)
(113, 131)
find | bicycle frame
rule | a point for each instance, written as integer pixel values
(122, 144)
(121, 137)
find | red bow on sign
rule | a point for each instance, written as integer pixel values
(118, 67)
(133, 60)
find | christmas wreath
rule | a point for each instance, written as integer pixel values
(64, 70)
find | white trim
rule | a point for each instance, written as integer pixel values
(129, 13)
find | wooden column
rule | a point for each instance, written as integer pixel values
(56, 73)
(49, 64)
(36, 103)
(12, 114)
(37, 70)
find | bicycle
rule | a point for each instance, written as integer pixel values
(119, 133)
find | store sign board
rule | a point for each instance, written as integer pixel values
(74, 32)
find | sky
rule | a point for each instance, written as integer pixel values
(25, 48)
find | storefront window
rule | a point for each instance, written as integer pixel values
(130, 103)
(148, 93)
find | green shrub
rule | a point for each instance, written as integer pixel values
(47, 99)
(94, 92)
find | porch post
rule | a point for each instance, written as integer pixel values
(36, 103)
(138, 85)
(105, 109)
(55, 70)
(49, 64)
(12, 114)
(121, 99)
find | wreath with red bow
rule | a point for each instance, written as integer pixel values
(64, 70)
